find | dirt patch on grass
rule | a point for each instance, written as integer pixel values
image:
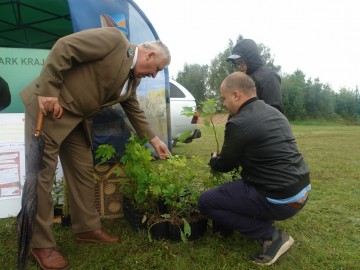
(218, 119)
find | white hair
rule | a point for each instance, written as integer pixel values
(161, 49)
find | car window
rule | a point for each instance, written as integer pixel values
(175, 92)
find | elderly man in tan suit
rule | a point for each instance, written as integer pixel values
(84, 72)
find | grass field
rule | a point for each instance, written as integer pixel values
(326, 231)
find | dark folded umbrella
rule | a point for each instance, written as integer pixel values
(25, 220)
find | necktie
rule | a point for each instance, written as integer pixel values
(128, 83)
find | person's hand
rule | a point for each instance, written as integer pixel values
(160, 148)
(50, 105)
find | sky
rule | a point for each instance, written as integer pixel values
(319, 37)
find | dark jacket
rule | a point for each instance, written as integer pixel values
(267, 81)
(259, 140)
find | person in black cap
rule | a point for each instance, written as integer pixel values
(5, 97)
(246, 58)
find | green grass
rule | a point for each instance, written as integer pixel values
(326, 231)
(315, 123)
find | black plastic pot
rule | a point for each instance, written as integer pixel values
(58, 210)
(66, 221)
(133, 216)
(174, 231)
(198, 228)
(160, 230)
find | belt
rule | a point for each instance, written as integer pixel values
(300, 203)
(296, 205)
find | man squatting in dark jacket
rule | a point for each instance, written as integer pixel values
(246, 58)
(274, 182)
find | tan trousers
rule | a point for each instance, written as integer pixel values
(77, 162)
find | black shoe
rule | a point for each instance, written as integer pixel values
(272, 249)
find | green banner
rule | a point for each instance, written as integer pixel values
(18, 67)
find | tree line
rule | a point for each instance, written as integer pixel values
(303, 98)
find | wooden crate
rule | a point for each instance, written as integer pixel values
(108, 198)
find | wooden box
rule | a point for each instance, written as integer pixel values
(108, 198)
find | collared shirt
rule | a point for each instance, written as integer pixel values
(126, 84)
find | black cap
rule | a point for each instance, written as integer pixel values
(236, 52)
(244, 48)
(233, 57)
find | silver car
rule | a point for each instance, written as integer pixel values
(183, 128)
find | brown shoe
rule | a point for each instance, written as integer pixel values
(49, 259)
(97, 236)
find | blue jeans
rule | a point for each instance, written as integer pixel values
(238, 206)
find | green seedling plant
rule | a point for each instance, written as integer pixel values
(207, 111)
(149, 182)
(176, 187)
(137, 160)
(137, 167)
(176, 184)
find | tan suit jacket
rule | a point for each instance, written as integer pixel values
(87, 71)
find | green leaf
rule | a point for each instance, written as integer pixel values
(105, 152)
(183, 237)
(206, 123)
(149, 234)
(167, 216)
(187, 228)
(208, 107)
